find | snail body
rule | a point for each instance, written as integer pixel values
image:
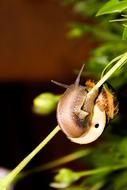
(82, 116)
(69, 107)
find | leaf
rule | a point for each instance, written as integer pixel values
(113, 6)
(125, 32)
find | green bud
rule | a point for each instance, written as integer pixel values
(67, 176)
(45, 103)
(64, 178)
(75, 32)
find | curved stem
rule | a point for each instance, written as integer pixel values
(11, 176)
(109, 64)
(122, 61)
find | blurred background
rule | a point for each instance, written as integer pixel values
(34, 48)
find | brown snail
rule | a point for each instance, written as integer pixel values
(81, 115)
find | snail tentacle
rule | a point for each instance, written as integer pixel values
(59, 84)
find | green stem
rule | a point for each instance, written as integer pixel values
(118, 20)
(110, 63)
(59, 161)
(101, 170)
(11, 176)
(110, 72)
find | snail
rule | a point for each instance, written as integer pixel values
(81, 115)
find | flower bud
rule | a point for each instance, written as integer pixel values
(45, 103)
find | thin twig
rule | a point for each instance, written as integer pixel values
(10, 177)
(109, 73)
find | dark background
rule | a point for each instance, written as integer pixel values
(34, 48)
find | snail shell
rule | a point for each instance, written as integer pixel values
(95, 129)
(81, 117)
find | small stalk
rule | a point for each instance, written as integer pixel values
(122, 60)
(105, 169)
(60, 161)
(11, 176)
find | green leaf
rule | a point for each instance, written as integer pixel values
(125, 32)
(113, 6)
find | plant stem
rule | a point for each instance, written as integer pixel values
(11, 176)
(109, 64)
(106, 169)
(110, 72)
(59, 161)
